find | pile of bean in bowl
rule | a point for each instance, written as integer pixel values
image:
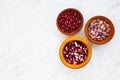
(75, 52)
(69, 21)
(99, 29)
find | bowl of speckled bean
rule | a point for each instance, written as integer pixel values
(75, 52)
(99, 30)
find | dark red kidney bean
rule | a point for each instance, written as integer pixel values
(69, 21)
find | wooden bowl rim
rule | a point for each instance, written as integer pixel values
(111, 32)
(84, 42)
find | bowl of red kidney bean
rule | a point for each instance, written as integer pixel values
(69, 21)
(99, 30)
(75, 52)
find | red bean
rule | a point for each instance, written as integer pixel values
(69, 21)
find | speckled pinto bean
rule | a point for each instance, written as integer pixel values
(75, 52)
(99, 29)
(69, 21)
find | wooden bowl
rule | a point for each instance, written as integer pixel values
(77, 65)
(107, 39)
(80, 25)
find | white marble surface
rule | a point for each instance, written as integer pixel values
(29, 41)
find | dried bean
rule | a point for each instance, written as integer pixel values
(75, 52)
(99, 29)
(69, 21)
